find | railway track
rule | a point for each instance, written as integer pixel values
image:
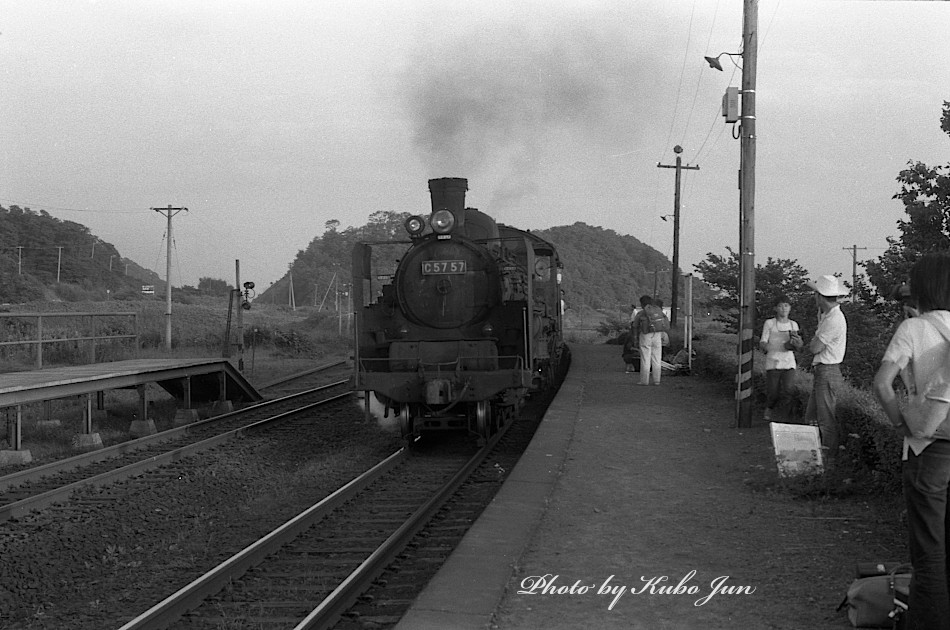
(358, 558)
(309, 571)
(305, 379)
(38, 487)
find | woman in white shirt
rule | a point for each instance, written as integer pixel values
(780, 336)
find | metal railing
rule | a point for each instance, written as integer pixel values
(39, 340)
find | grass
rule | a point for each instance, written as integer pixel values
(869, 459)
(278, 342)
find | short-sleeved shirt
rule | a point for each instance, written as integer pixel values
(833, 332)
(774, 335)
(919, 350)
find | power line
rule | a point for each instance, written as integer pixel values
(43, 206)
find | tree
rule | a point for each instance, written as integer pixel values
(777, 277)
(213, 286)
(925, 193)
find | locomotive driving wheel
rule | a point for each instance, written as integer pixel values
(405, 422)
(483, 418)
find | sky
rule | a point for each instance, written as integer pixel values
(267, 119)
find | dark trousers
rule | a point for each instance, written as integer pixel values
(926, 479)
(822, 402)
(778, 387)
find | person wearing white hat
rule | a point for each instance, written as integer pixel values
(828, 346)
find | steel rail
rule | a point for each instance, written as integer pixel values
(343, 596)
(83, 459)
(166, 612)
(293, 377)
(169, 610)
(39, 501)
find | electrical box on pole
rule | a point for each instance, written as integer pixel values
(730, 104)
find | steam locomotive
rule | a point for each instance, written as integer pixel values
(463, 326)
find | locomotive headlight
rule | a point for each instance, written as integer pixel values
(415, 225)
(442, 221)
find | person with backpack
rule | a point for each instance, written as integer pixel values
(650, 324)
(919, 352)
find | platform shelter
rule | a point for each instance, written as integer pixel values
(188, 380)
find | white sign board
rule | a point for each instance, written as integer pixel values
(797, 448)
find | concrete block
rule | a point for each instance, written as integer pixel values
(13, 458)
(221, 406)
(141, 428)
(87, 441)
(185, 416)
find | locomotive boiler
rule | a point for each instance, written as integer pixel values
(456, 326)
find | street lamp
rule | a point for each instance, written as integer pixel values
(666, 216)
(714, 61)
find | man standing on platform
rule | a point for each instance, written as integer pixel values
(649, 324)
(828, 347)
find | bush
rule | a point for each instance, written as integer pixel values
(869, 462)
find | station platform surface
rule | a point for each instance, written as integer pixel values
(627, 486)
(51, 383)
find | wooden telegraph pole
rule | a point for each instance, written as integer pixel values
(854, 270)
(744, 390)
(676, 229)
(169, 212)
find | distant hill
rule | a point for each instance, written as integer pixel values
(603, 271)
(45, 258)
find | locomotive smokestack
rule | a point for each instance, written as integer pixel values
(449, 192)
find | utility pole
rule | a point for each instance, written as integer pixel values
(59, 261)
(290, 293)
(750, 45)
(169, 212)
(240, 315)
(674, 280)
(19, 260)
(854, 270)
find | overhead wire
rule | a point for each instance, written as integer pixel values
(43, 206)
(699, 76)
(679, 89)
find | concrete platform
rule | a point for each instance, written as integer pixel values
(205, 378)
(625, 490)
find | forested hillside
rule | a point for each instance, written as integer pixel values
(603, 270)
(42, 257)
(606, 270)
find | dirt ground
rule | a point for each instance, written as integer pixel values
(666, 487)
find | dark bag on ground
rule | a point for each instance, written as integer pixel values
(631, 350)
(655, 320)
(878, 597)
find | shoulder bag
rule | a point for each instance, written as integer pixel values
(878, 600)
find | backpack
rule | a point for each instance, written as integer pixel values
(654, 320)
